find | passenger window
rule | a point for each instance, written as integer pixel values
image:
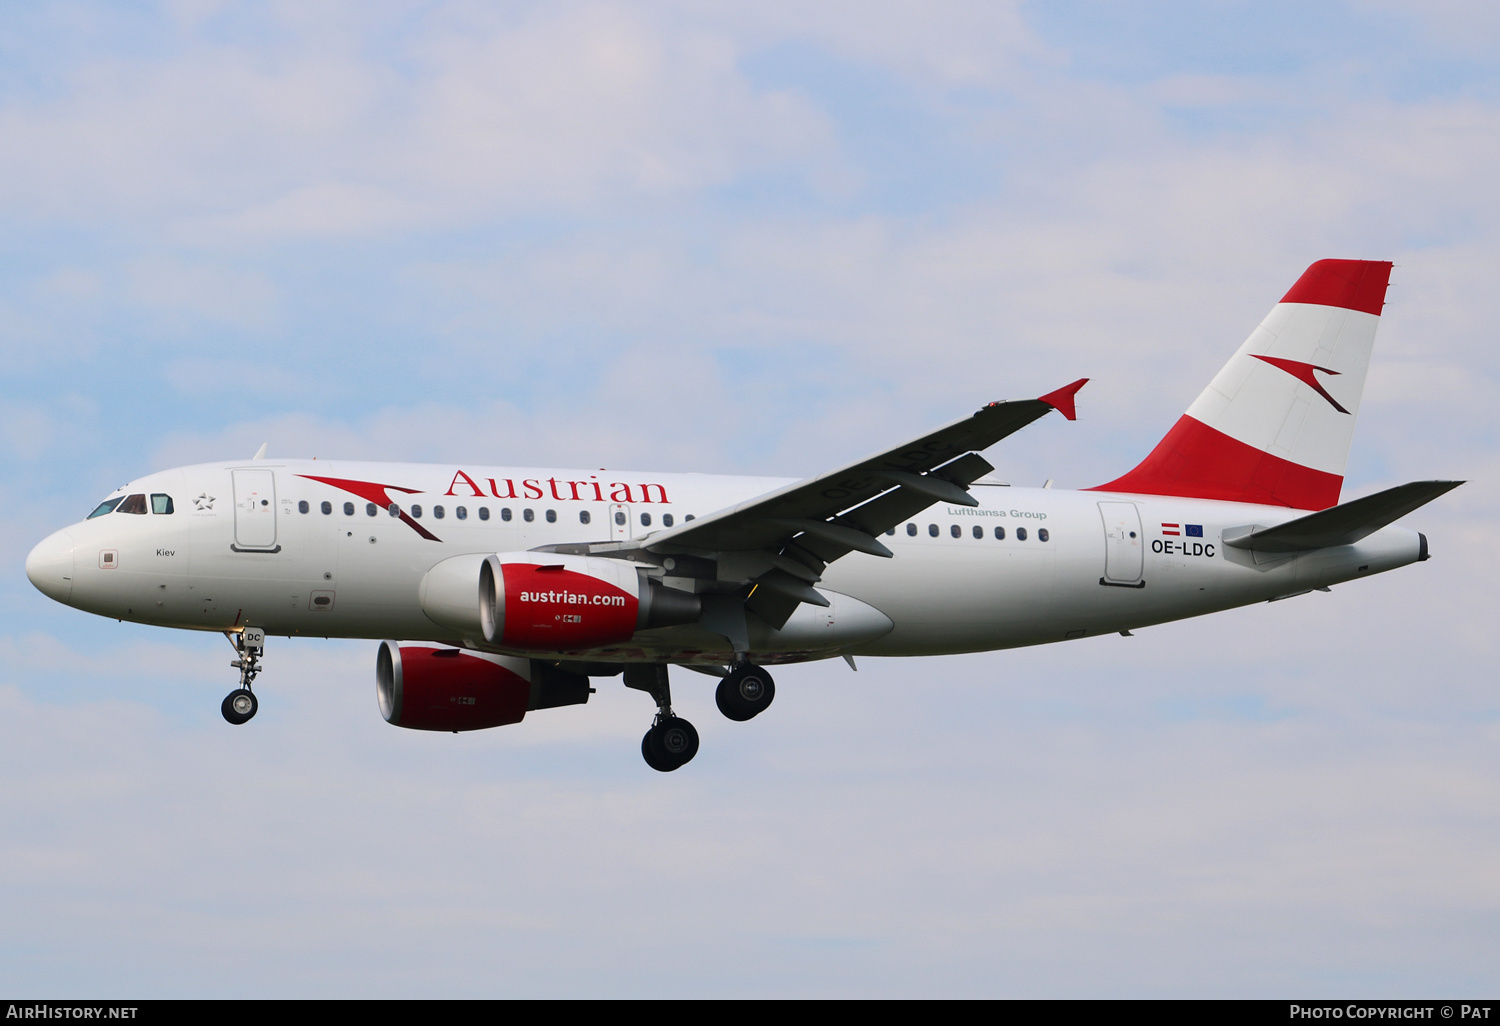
(620, 519)
(999, 534)
(527, 515)
(978, 531)
(163, 504)
(462, 512)
(1020, 534)
(133, 504)
(505, 513)
(1042, 535)
(552, 516)
(666, 519)
(911, 529)
(583, 516)
(932, 530)
(327, 507)
(416, 512)
(437, 512)
(956, 531)
(107, 506)
(393, 509)
(302, 506)
(645, 519)
(370, 509)
(890, 531)
(484, 512)
(688, 517)
(348, 509)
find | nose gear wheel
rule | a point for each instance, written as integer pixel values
(239, 706)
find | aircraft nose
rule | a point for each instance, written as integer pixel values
(50, 566)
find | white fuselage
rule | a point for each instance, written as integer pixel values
(250, 544)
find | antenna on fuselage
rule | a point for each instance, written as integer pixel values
(260, 453)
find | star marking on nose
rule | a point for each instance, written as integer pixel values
(203, 501)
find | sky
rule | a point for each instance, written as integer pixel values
(759, 238)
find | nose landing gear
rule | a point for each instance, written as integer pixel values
(240, 705)
(672, 741)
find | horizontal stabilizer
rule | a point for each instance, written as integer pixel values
(1340, 525)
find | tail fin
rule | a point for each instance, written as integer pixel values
(1274, 426)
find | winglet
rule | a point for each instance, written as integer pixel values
(1062, 399)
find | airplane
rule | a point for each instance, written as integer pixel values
(514, 588)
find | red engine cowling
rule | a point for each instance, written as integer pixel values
(448, 689)
(549, 602)
(557, 603)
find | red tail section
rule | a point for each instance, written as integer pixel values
(1267, 430)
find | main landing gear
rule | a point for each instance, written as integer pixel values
(746, 692)
(240, 704)
(671, 742)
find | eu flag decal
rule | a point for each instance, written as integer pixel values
(1194, 530)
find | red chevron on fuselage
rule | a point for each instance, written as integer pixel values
(370, 491)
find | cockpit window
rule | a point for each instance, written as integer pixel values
(133, 504)
(161, 503)
(107, 506)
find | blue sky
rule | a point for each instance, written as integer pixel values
(764, 239)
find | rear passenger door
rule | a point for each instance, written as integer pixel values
(1124, 548)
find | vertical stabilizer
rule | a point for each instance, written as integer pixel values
(1274, 426)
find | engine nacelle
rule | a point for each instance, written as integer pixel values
(424, 687)
(547, 602)
(553, 603)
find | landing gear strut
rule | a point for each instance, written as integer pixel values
(240, 704)
(671, 742)
(746, 692)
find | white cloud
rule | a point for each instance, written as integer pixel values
(189, 294)
(562, 107)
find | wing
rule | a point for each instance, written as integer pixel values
(779, 543)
